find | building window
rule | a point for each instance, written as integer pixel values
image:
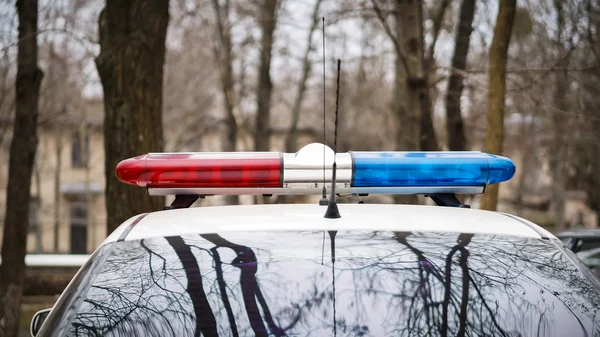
(78, 209)
(34, 214)
(80, 150)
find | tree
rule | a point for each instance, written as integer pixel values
(224, 56)
(584, 167)
(497, 91)
(223, 53)
(410, 93)
(291, 142)
(454, 122)
(410, 77)
(267, 21)
(428, 136)
(560, 122)
(22, 153)
(130, 65)
(410, 84)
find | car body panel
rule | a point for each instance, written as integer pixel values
(310, 216)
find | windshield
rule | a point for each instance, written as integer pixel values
(380, 284)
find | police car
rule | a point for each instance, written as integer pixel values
(347, 269)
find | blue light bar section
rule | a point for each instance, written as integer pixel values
(398, 169)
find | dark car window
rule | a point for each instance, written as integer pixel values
(589, 244)
(380, 284)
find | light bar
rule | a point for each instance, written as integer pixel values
(207, 170)
(429, 169)
(305, 172)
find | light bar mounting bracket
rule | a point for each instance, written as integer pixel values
(448, 200)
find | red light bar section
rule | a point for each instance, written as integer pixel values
(209, 170)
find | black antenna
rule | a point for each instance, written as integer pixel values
(332, 209)
(324, 201)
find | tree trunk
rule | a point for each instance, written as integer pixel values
(454, 122)
(223, 56)
(291, 144)
(410, 87)
(438, 20)
(130, 65)
(85, 135)
(22, 153)
(268, 20)
(58, 154)
(428, 141)
(411, 102)
(497, 91)
(410, 80)
(38, 189)
(527, 163)
(560, 124)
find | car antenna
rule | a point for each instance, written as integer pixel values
(332, 209)
(324, 201)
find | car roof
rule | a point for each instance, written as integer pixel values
(288, 217)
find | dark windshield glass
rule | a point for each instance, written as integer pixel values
(381, 284)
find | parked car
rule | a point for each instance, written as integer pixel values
(586, 245)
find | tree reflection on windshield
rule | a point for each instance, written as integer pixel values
(386, 283)
(245, 260)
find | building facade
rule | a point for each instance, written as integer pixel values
(67, 210)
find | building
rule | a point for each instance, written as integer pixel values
(67, 211)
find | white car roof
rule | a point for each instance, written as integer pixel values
(219, 219)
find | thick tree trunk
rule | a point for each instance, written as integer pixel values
(22, 153)
(497, 91)
(291, 144)
(130, 65)
(454, 122)
(268, 20)
(410, 87)
(410, 78)
(411, 102)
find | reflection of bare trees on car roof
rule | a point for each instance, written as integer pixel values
(113, 311)
(245, 260)
(449, 291)
(149, 299)
(386, 283)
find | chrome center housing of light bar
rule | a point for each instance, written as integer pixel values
(314, 163)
